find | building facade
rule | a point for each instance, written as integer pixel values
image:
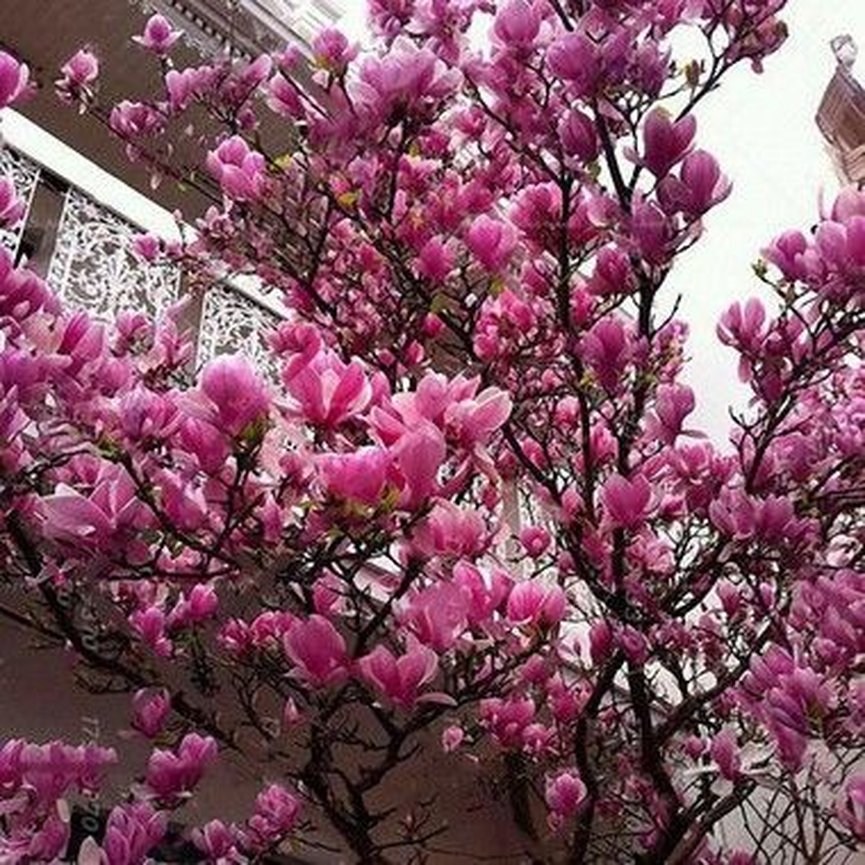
(85, 202)
(841, 114)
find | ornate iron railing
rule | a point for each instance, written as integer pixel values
(84, 251)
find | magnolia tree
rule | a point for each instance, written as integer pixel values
(466, 515)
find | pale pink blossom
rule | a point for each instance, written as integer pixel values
(564, 794)
(534, 603)
(158, 35)
(277, 810)
(666, 141)
(12, 208)
(399, 678)
(239, 169)
(437, 616)
(627, 501)
(356, 477)
(326, 391)
(175, 773)
(332, 50)
(317, 650)
(78, 77)
(517, 23)
(13, 79)
(575, 58)
(452, 738)
(150, 710)
(851, 806)
(491, 242)
(236, 392)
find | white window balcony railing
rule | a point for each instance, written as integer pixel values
(78, 232)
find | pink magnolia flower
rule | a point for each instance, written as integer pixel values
(358, 476)
(205, 443)
(517, 23)
(277, 810)
(407, 78)
(171, 774)
(147, 247)
(149, 624)
(851, 806)
(506, 719)
(485, 593)
(566, 701)
(606, 349)
(44, 844)
(491, 242)
(538, 739)
(451, 530)
(473, 420)
(399, 678)
(145, 414)
(634, 644)
(244, 81)
(626, 501)
(51, 770)
(218, 842)
(575, 58)
(601, 641)
(239, 170)
(200, 605)
(185, 85)
(652, 230)
(699, 187)
(158, 35)
(13, 79)
(332, 50)
(666, 141)
(724, 750)
(132, 831)
(420, 454)
(452, 738)
(564, 794)
(12, 208)
(149, 711)
(788, 253)
(537, 207)
(326, 391)
(578, 136)
(613, 273)
(317, 650)
(535, 540)
(532, 602)
(454, 406)
(236, 392)
(132, 120)
(436, 615)
(21, 292)
(435, 261)
(744, 329)
(103, 519)
(389, 17)
(771, 520)
(77, 77)
(673, 403)
(283, 97)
